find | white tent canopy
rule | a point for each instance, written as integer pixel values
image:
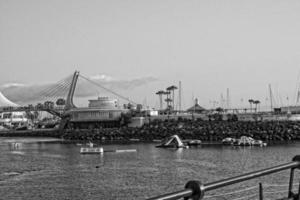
(4, 102)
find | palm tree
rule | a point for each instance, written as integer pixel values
(256, 102)
(160, 93)
(172, 88)
(169, 99)
(251, 101)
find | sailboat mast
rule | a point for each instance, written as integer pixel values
(271, 97)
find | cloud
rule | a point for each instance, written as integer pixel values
(102, 77)
(95, 85)
(10, 85)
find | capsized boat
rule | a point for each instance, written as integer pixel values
(172, 142)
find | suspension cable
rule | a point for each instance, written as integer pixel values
(108, 90)
(55, 90)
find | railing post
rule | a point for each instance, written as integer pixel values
(298, 195)
(197, 188)
(290, 193)
(261, 196)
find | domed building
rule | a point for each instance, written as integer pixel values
(104, 103)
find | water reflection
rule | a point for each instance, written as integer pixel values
(59, 171)
(179, 153)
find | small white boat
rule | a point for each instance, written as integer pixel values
(249, 141)
(259, 143)
(228, 141)
(244, 141)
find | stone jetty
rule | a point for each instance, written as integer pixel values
(193, 129)
(212, 131)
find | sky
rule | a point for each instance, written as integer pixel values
(208, 45)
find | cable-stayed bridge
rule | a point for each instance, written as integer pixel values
(57, 98)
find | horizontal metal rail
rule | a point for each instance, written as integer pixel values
(195, 189)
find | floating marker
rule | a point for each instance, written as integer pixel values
(100, 150)
(156, 140)
(121, 151)
(91, 150)
(134, 140)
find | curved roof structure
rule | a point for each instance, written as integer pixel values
(196, 108)
(4, 102)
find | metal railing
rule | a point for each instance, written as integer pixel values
(195, 190)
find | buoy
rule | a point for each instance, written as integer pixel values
(126, 150)
(120, 151)
(100, 150)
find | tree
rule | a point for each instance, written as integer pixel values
(256, 102)
(49, 104)
(168, 100)
(251, 101)
(172, 88)
(219, 110)
(160, 93)
(60, 102)
(39, 106)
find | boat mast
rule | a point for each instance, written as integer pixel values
(271, 95)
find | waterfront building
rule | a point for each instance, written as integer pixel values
(11, 118)
(101, 112)
(104, 103)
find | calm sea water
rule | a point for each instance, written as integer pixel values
(50, 169)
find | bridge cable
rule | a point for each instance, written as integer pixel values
(56, 92)
(48, 91)
(108, 90)
(53, 88)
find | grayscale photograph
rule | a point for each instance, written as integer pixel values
(150, 100)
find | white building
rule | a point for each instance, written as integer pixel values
(11, 118)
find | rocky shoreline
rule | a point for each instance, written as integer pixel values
(210, 131)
